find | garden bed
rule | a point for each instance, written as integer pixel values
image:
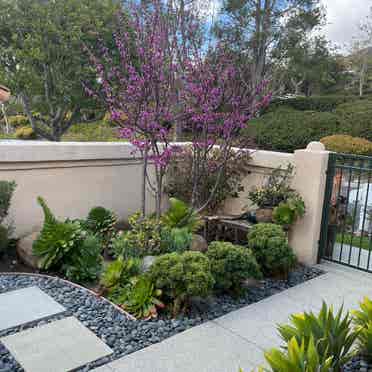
(116, 329)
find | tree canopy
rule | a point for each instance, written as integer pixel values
(42, 56)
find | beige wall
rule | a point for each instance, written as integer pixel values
(74, 177)
(310, 166)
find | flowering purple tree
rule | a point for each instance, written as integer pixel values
(217, 106)
(159, 79)
(139, 91)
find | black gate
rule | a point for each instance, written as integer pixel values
(346, 233)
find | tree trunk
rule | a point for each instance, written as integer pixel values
(144, 180)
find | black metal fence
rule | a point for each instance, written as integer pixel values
(346, 234)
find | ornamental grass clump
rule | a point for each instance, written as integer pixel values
(231, 265)
(299, 357)
(182, 276)
(332, 334)
(269, 244)
(363, 322)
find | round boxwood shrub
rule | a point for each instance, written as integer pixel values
(269, 244)
(287, 129)
(348, 144)
(25, 133)
(231, 264)
(181, 276)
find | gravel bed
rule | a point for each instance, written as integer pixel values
(123, 335)
(358, 364)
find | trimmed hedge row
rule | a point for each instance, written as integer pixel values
(314, 103)
(287, 129)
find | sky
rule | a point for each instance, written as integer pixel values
(343, 19)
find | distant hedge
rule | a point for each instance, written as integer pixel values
(285, 128)
(288, 129)
(348, 144)
(314, 103)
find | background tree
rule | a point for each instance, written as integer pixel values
(253, 28)
(42, 57)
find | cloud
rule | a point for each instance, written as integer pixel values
(343, 20)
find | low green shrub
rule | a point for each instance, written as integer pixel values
(25, 133)
(144, 238)
(348, 144)
(181, 276)
(231, 265)
(363, 322)
(85, 263)
(332, 334)
(269, 244)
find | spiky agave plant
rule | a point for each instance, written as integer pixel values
(333, 334)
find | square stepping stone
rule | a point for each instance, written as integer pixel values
(26, 305)
(60, 346)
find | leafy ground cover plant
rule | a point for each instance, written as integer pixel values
(102, 222)
(269, 244)
(63, 246)
(363, 322)
(144, 238)
(176, 239)
(332, 334)
(86, 263)
(180, 215)
(118, 273)
(287, 213)
(181, 276)
(275, 190)
(231, 265)
(140, 298)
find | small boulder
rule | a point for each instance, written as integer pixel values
(198, 244)
(24, 251)
(147, 263)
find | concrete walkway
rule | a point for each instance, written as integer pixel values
(237, 340)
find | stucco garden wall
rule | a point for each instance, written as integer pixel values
(310, 167)
(74, 177)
